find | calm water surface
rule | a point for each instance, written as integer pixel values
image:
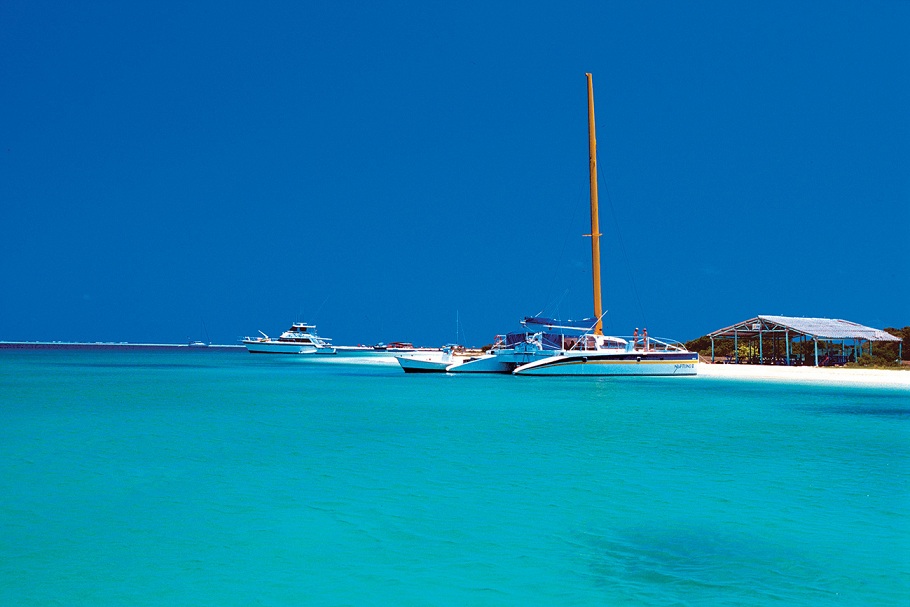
(213, 478)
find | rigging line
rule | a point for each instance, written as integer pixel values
(555, 308)
(320, 306)
(559, 262)
(622, 247)
(559, 301)
(460, 329)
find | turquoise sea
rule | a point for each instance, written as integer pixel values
(218, 478)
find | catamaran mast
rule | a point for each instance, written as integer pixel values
(595, 222)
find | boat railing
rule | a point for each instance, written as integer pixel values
(587, 342)
(636, 343)
(655, 344)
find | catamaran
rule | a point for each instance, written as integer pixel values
(594, 353)
(512, 350)
(551, 351)
(597, 354)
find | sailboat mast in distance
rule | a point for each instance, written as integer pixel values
(595, 221)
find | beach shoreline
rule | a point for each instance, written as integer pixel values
(882, 378)
(112, 345)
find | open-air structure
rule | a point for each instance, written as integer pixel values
(794, 340)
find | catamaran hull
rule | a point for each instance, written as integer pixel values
(657, 364)
(503, 362)
(430, 362)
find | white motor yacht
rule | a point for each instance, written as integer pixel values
(301, 338)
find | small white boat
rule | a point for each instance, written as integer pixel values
(301, 338)
(430, 361)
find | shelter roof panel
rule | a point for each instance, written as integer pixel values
(824, 328)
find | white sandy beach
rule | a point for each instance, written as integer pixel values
(884, 378)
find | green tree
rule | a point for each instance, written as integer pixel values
(702, 345)
(893, 349)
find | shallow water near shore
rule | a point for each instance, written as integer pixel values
(220, 478)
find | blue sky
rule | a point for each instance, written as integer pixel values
(174, 171)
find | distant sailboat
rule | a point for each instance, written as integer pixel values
(196, 343)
